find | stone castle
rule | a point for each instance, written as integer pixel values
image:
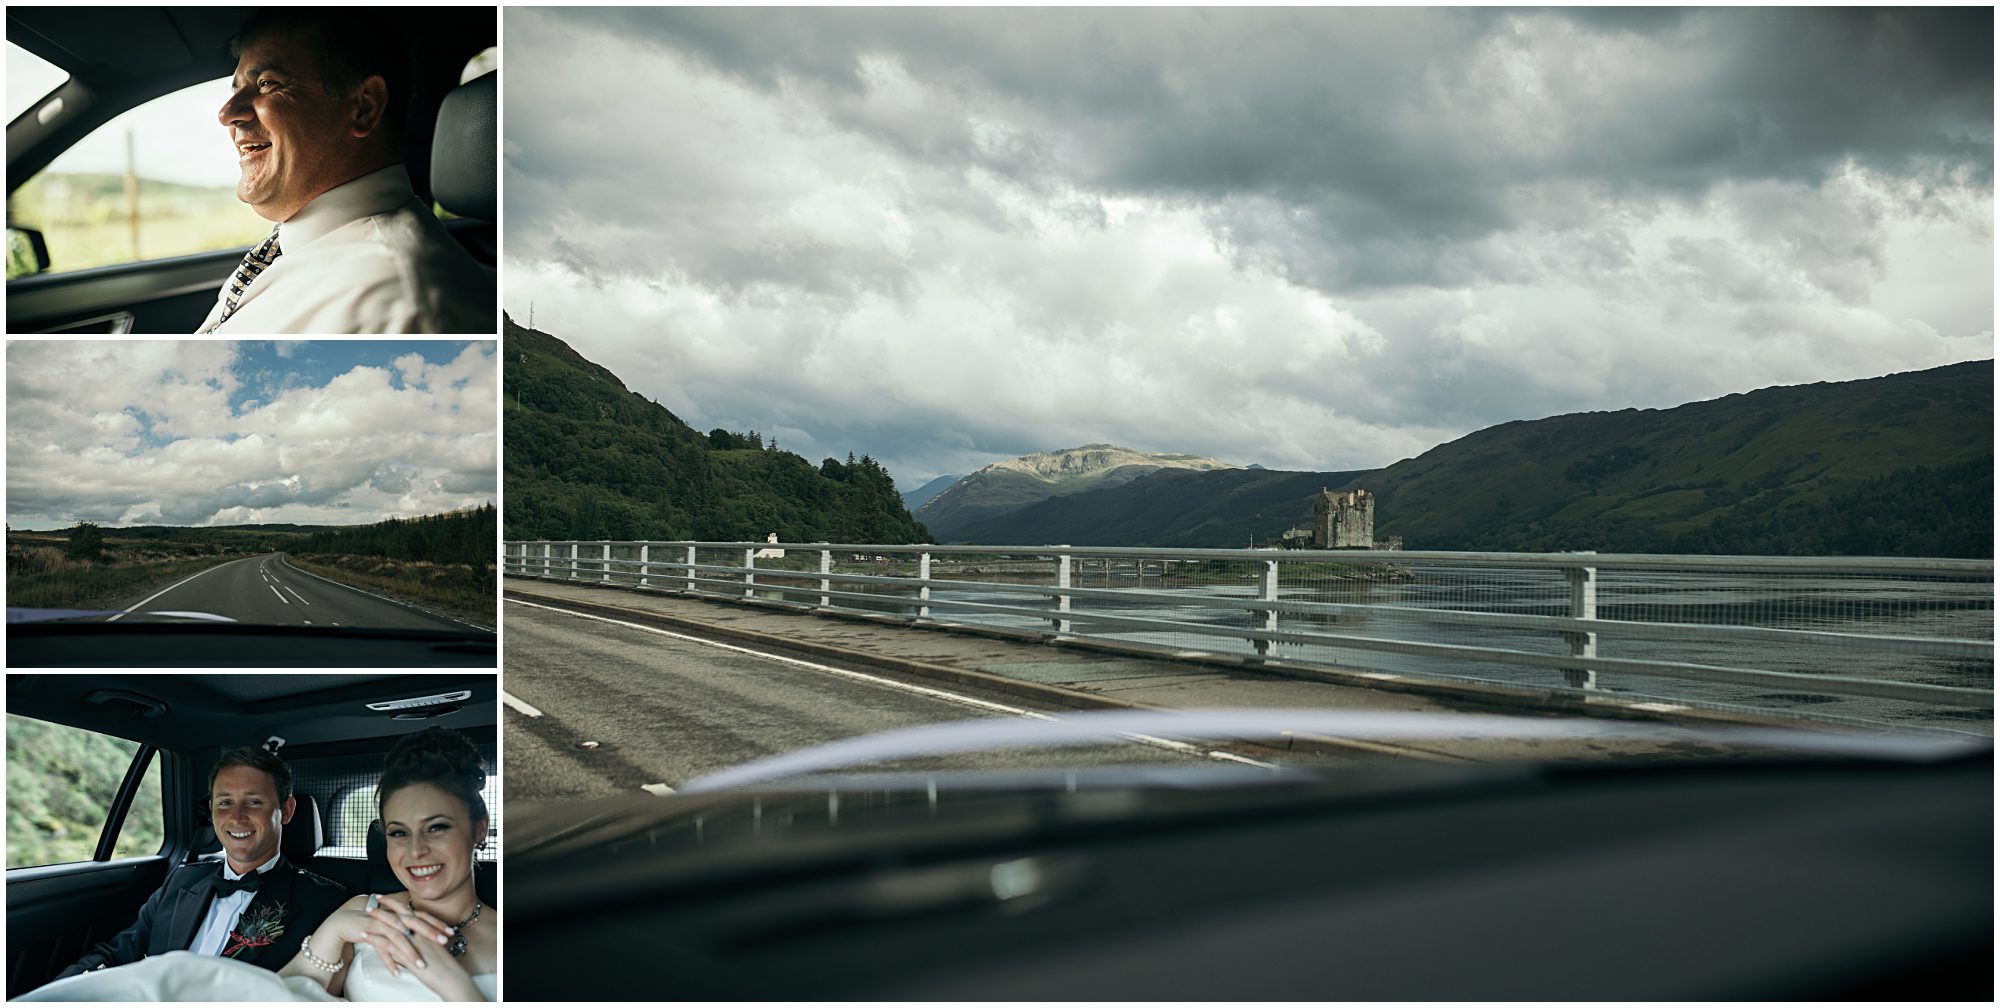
(1342, 519)
(1346, 518)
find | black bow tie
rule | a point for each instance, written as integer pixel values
(230, 887)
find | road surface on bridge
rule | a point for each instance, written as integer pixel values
(266, 590)
(666, 713)
(597, 708)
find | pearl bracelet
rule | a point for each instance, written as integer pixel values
(306, 949)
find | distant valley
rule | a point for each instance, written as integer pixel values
(1898, 466)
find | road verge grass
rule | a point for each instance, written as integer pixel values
(41, 577)
(462, 591)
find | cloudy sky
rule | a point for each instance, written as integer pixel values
(1305, 238)
(209, 432)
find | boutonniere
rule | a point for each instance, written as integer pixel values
(259, 926)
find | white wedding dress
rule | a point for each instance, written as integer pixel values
(185, 976)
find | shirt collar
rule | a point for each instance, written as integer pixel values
(232, 875)
(379, 191)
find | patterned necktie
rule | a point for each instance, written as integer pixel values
(257, 261)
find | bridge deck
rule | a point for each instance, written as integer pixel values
(1084, 676)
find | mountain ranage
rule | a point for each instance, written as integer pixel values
(588, 459)
(1008, 486)
(1894, 466)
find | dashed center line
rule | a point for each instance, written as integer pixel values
(281, 595)
(519, 704)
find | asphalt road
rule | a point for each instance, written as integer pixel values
(663, 710)
(267, 590)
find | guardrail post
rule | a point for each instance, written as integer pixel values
(825, 583)
(1583, 606)
(1267, 590)
(548, 559)
(645, 564)
(924, 590)
(690, 569)
(750, 572)
(572, 562)
(1062, 597)
(607, 563)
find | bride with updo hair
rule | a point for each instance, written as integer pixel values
(435, 937)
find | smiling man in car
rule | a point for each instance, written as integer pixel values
(251, 905)
(318, 118)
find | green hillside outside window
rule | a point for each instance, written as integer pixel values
(61, 785)
(155, 182)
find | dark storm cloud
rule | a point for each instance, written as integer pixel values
(1390, 137)
(1300, 237)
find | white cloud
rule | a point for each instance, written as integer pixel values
(148, 435)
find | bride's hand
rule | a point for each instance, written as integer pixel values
(381, 927)
(417, 941)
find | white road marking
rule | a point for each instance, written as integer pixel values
(656, 790)
(142, 604)
(515, 702)
(385, 598)
(281, 595)
(946, 695)
(296, 595)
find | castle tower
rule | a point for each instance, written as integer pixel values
(1344, 519)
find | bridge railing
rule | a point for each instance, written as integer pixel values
(1884, 641)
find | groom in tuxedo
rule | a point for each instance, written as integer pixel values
(252, 905)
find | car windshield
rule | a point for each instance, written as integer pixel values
(1323, 367)
(203, 488)
(1135, 485)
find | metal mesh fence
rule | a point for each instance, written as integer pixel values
(1733, 633)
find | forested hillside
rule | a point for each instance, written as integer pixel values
(589, 459)
(453, 537)
(1894, 466)
(1900, 466)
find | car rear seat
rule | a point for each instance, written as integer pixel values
(303, 838)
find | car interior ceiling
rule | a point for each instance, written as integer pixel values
(189, 712)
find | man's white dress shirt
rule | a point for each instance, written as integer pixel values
(365, 257)
(223, 911)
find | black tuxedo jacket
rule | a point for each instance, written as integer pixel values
(173, 915)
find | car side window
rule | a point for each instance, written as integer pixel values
(62, 784)
(155, 182)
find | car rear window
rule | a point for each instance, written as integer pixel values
(344, 786)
